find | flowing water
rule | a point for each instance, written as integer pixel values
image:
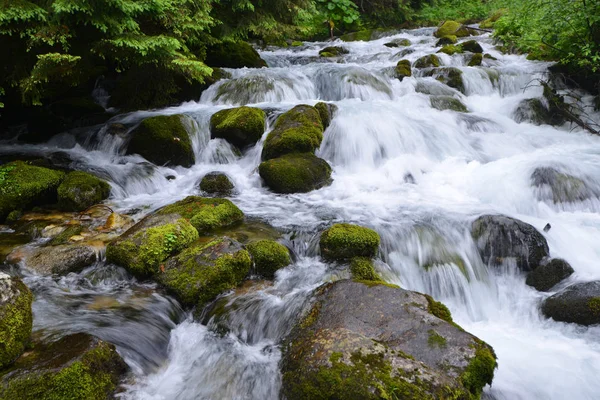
(417, 175)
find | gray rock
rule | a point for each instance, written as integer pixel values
(546, 276)
(59, 260)
(558, 187)
(579, 303)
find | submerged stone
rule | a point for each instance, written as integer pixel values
(242, 126)
(81, 190)
(450, 76)
(534, 111)
(15, 319)
(548, 275)
(346, 241)
(295, 173)
(579, 303)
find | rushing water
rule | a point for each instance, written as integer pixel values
(417, 175)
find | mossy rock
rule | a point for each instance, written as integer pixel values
(448, 103)
(451, 76)
(295, 173)
(548, 275)
(80, 190)
(362, 269)
(299, 130)
(241, 126)
(23, 186)
(326, 112)
(360, 36)
(78, 366)
(15, 319)
(450, 49)
(234, 55)
(164, 140)
(206, 214)
(333, 51)
(200, 273)
(346, 241)
(475, 60)
(446, 40)
(146, 245)
(403, 69)
(452, 28)
(296, 43)
(579, 303)
(216, 183)
(398, 43)
(427, 61)
(268, 256)
(367, 340)
(471, 45)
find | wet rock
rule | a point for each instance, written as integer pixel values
(295, 173)
(147, 244)
(59, 260)
(471, 45)
(548, 275)
(398, 43)
(15, 318)
(475, 60)
(499, 238)
(80, 190)
(346, 241)
(164, 140)
(9, 241)
(206, 214)
(326, 112)
(117, 129)
(299, 130)
(446, 40)
(333, 51)
(200, 273)
(241, 126)
(66, 233)
(579, 303)
(450, 49)
(216, 183)
(558, 187)
(23, 186)
(368, 341)
(116, 221)
(251, 231)
(448, 103)
(452, 28)
(403, 69)
(268, 256)
(427, 61)
(234, 55)
(534, 111)
(450, 76)
(78, 366)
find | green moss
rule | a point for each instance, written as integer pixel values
(206, 214)
(362, 269)
(451, 28)
(326, 54)
(447, 40)
(594, 305)
(295, 173)
(324, 113)
(427, 61)
(476, 60)
(480, 370)
(435, 339)
(299, 130)
(451, 49)
(216, 183)
(296, 43)
(345, 241)
(312, 316)
(234, 55)
(403, 69)
(241, 126)
(23, 186)
(80, 190)
(200, 273)
(333, 51)
(163, 140)
(15, 320)
(439, 309)
(64, 236)
(269, 256)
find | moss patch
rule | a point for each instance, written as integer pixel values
(594, 305)
(206, 214)
(345, 241)
(64, 236)
(241, 126)
(325, 112)
(15, 319)
(362, 269)
(439, 309)
(295, 173)
(480, 370)
(268, 257)
(451, 49)
(476, 60)
(451, 28)
(435, 339)
(80, 190)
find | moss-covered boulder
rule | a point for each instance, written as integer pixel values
(448, 103)
(326, 112)
(452, 28)
(471, 45)
(445, 40)
(146, 245)
(500, 238)
(241, 126)
(557, 187)
(56, 260)
(216, 183)
(475, 60)
(346, 241)
(268, 257)
(78, 366)
(200, 273)
(579, 303)
(206, 214)
(450, 49)
(15, 318)
(23, 186)
(164, 140)
(372, 341)
(403, 69)
(362, 269)
(299, 130)
(295, 173)
(80, 190)
(398, 43)
(451, 76)
(548, 275)
(234, 55)
(427, 61)
(333, 51)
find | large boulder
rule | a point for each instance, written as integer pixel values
(373, 341)
(241, 126)
(548, 275)
(579, 303)
(164, 140)
(558, 187)
(346, 241)
(200, 273)
(499, 238)
(295, 173)
(58, 260)
(80, 190)
(143, 247)
(216, 183)
(78, 366)
(452, 28)
(268, 257)
(234, 55)
(15, 318)
(23, 186)
(299, 130)
(206, 214)
(403, 69)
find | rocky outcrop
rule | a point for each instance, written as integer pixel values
(15, 319)
(579, 303)
(242, 126)
(475, 60)
(548, 275)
